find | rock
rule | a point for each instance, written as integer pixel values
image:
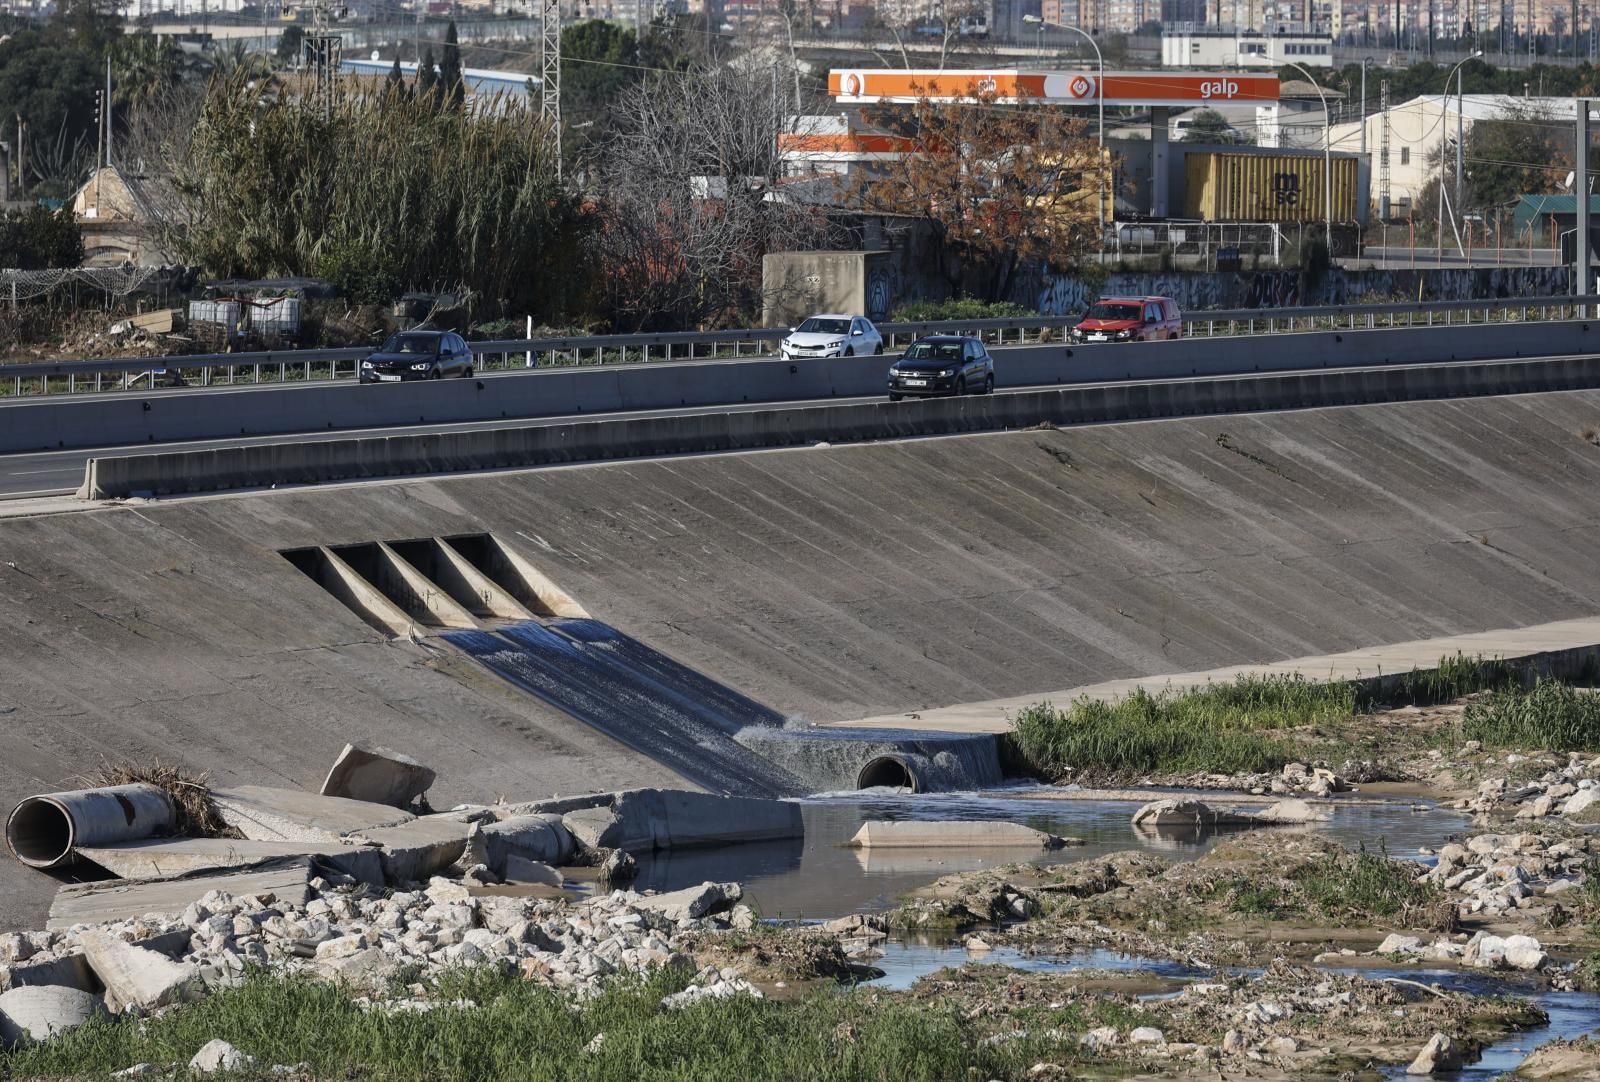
(137, 1070)
(540, 838)
(1146, 1035)
(963, 834)
(261, 813)
(1283, 1046)
(1099, 1037)
(977, 944)
(1524, 952)
(858, 926)
(1232, 1043)
(1290, 811)
(44, 1010)
(1186, 815)
(378, 776)
(722, 989)
(640, 820)
(691, 903)
(443, 891)
(519, 869)
(1580, 801)
(1400, 944)
(219, 1055)
(135, 977)
(618, 867)
(1439, 1054)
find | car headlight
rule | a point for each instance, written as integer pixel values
(366, 364)
(1124, 334)
(947, 372)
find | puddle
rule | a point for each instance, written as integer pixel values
(1572, 1014)
(815, 878)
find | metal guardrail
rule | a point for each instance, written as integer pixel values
(313, 365)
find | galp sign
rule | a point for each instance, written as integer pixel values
(1218, 88)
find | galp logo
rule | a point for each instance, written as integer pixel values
(852, 85)
(1081, 86)
(1218, 88)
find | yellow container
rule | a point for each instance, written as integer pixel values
(1221, 187)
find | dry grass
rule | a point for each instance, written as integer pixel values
(190, 794)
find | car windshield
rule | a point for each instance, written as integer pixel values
(824, 326)
(412, 343)
(1114, 311)
(934, 351)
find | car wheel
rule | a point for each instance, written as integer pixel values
(895, 397)
(879, 351)
(961, 386)
(988, 384)
(849, 351)
(466, 373)
(434, 374)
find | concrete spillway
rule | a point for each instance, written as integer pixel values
(635, 695)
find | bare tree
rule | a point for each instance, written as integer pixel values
(686, 185)
(944, 28)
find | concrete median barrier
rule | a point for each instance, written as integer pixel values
(181, 472)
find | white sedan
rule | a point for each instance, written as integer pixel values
(832, 336)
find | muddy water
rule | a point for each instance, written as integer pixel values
(816, 878)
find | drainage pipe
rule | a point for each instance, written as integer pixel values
(44, 830)
(890, 772)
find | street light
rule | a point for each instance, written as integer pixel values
(1327, 155)
(1461, 104)
(1366, 62)
(1100, 100)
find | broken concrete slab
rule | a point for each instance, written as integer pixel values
(984, 834)
(1290, 812)
(377, 775)
(108, 903)
(68, 971)
(415, 851)
(1186, 815)
(641, 820)
(521, 870)
(41, 1012)
(540, 838)
(691, 903)
(135, 977)
(265, 814)
(173, 858)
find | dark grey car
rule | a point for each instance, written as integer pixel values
(411, 355)
(942, 365)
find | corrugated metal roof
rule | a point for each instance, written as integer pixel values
(1531, 207)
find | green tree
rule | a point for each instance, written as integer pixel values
(37, 238)
(142, 66)
(49, 80)
(454, 88)
(1210, 126)
(394, 85)
(427, 76)
(600, 60)
(290, 44)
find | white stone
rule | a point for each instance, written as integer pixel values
(1439, 1054)
(219, 1055)
(1400, 944)
(1524, 952)
(1100, 1037)
(1146, 1035)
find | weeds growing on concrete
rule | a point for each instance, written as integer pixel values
(1215, 729)
(520, 1031)
(1453, 678)
(1550, 716)
(190, 795)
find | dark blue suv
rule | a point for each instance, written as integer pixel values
(411, 355)
(942, 364)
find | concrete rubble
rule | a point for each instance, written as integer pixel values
(1439, 1054)
(1192, 815)
(41, 1011)
(1567, 791)
(377, 775)
(981, 834)
(1497, 874)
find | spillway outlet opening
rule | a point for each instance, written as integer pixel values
(888, 772)
(39, 832)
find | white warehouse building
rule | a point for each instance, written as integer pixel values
(1241, 48)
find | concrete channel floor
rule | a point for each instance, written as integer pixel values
(1504, 644)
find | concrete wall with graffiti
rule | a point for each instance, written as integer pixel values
(1193, 290)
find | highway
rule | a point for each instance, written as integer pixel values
(55, 473)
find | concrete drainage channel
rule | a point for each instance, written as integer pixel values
(481, 597)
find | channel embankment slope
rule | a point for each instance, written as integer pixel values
(830, 582)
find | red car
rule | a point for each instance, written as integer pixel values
(1130, 319)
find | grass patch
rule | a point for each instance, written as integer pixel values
(1215, 729)
(1550, 716)
(521, 1031)
(1367, 885)
(1453, 678)
(1246, 896)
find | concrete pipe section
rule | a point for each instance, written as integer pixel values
(888, 772)
(44, 830)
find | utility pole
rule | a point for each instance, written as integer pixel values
(323, 47)
(1383, 153)
(108, 110)
(1580, 188)
(550, 75)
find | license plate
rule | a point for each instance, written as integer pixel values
(916, 383)
(388, 379)
(1097, 338)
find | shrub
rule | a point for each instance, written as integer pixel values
(958, 308)
(1550, 716)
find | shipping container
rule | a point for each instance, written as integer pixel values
(275, 315)
(1221, 187)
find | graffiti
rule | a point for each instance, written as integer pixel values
(879, 293)
(1059, 295)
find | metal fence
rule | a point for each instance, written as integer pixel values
(322, 365)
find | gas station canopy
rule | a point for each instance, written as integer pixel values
(871, 86)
